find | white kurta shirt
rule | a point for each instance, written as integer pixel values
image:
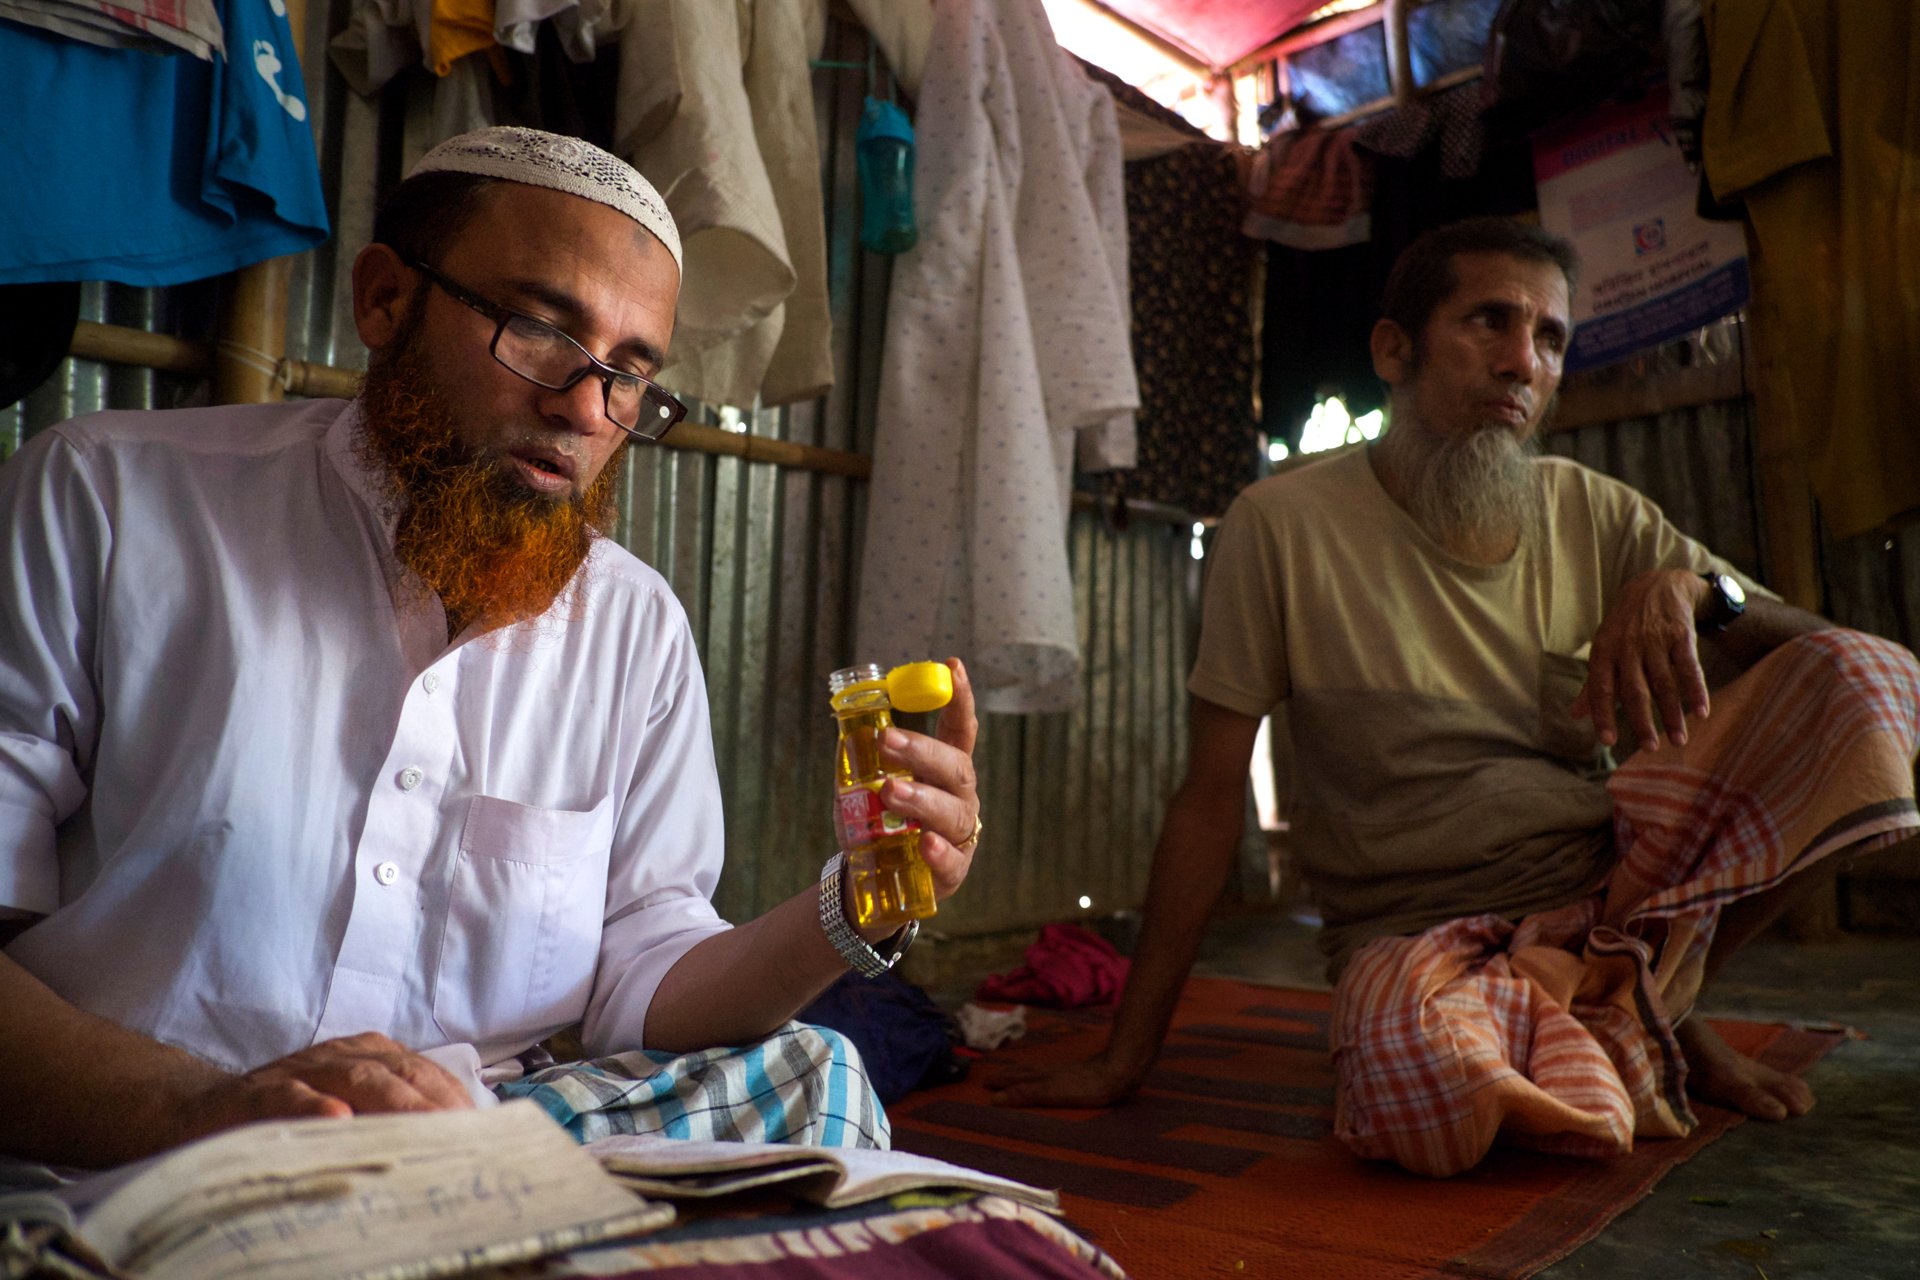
(259, 805)
(1007, 351)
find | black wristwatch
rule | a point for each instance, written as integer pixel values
(1726, 600)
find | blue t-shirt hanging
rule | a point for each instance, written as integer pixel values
(154, 169)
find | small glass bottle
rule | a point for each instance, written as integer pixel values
(883, 150)
(891, 882)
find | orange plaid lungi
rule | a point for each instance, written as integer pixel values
(1556, 1031)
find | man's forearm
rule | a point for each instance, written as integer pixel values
(77, 1089)
(738, 986)
(1190, 867)
(1764, 627)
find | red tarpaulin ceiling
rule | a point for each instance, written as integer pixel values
(1217, 32)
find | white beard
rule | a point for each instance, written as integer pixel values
(1480, 491)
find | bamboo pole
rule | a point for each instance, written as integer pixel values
(1399, 55)
(1590, 403)
(1790, 539)
(781, 453)
(1319, 33)
(253, 320)
(118, 344)
(303, 379)
(253, 335)
(1579, 406)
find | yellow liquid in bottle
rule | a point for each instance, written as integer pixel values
(890, 882)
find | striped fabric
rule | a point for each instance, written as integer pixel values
(803, 1084)
(1556, 1032)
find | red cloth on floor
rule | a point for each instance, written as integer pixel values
(1066, 967)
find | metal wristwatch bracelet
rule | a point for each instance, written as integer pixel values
(853, 948)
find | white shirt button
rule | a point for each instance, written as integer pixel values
(386, 873)
(430, 681)
(410, 778)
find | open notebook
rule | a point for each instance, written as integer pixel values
(419, 1195)
(671, 1169)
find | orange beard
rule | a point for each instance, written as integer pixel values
(494, 552)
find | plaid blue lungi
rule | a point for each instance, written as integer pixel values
(803, 1084)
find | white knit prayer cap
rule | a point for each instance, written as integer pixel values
(565, 164)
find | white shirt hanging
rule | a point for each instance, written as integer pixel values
(1007, 347)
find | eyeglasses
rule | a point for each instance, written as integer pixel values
(546, 357)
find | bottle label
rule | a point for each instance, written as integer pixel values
(861, 820)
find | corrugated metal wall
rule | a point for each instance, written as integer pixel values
(766, 559)
(1698, 465)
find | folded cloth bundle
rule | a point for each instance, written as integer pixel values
(1066, 967)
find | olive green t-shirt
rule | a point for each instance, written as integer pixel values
(1437, 771)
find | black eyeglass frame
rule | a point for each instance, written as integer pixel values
(502, 316)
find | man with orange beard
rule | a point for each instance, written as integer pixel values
(343, 760)
(1517, 936)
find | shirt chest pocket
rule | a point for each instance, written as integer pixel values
(522, 928)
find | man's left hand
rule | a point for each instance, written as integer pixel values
(943, 796)
(1647, 655)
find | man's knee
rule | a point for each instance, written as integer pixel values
(844, 1109)
(1867, 665)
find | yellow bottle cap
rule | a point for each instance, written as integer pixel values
(920, 686)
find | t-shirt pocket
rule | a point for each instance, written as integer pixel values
(524, 911)
(1562, 676)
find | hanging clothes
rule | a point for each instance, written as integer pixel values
(1006, 351)
(382, 38)
(716, 109)
(456, 28)
(582, 25)
(1190, 276)
(1813, 118)
(1191, 273)
(154, 26)
(1447, 125)
(904, 30)
(714, 104)
(155, 170)
(1311, 189)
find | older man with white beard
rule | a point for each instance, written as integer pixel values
(1517, 932)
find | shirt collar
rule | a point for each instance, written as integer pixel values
(366, 482)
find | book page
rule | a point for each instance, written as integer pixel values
(819, 1178)
(863, 1173)
(685, 1157)
(432, 1193)
(870, 1174)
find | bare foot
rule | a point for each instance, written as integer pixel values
(1721, 1074)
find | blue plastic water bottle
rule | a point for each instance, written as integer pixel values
(884, 146)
